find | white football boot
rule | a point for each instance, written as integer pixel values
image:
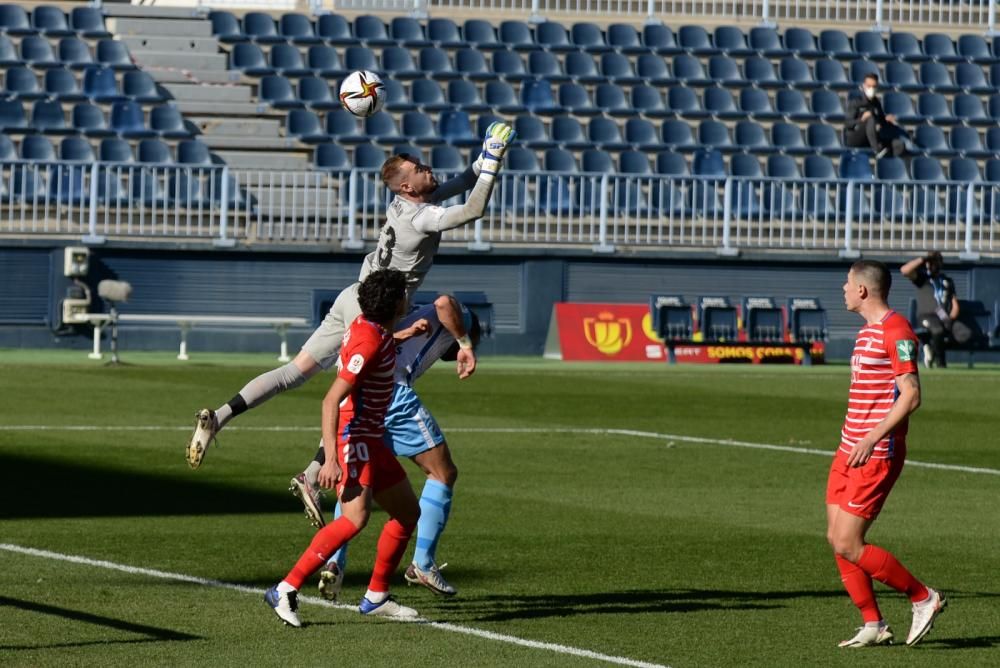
(869, 636)
(204, 434)
(284, 604)
(331, 579)
(431, 578)
(387, 608)
(924, 615)
(309, 495)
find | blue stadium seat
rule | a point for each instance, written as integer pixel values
(553, 192)
(890, 200)
(465, 95)
(277, 91)
(641, 135)
(61, 85)
(760, 72)
(827, 105)
(113, 149)
(361, 58)
(226, 28)
(139, 86)
(417, 127)
(553, 37)
(521, 159)
(596, 161)
(715, 135)
(168, 123)
(154, 151)
(544, 64)
(537, 97)
(371, 31)
(50, 21)
(856, 165)
(298, 29)
(324, 61)
(744, 199)
(683, 101)
(689, 71)
(900, 76)
(193, 152)
(591, 195)
(993, 140)
(836, 44)
(305, 126)
(481, 34)
(831, 74)
(471, 64)
(367, 156)
(862, 68)
(568, 134)
(456, 129)
(88, 22)
(970, 78)
(967, 142)
(660, 39)
(749, 136)
(824, 139)
(787, 138)
(724, 70)
(791, 104)
(796, 73)
(906, 47)
(335, 30)
(678, 136)
(575, 99)
(731, 40)
(934, 107)
(818, 194)
(766, 42)
(870, 45)
(148, 187)
(672, 164)
(89, 119)
(781, 198)
(113, 54)
(654, 70)
(426, 95)
(695, 40)
(802, 43)
(48, 117)
(249, 59)
(76, 149)
(618, 69)
(21, 83)
(501, 97)
(931, 139)
(624, 38)
(286, 59)
(819, 167)
(398, 63)
(445, 158)
(260, 27)
(8, 55)
(315, 94)
(408, 32)
(782, 167)
(26, 184)
(939, 47)
(581, 68)
(994, 107)
(610, 99)
(630, 196)
(37, 148)
(559, 160)
(37, 52)
(719, 103)
(66, 184)
(605, 135)
(185, 189)
(647, 101)
(927, 169)
(974, 49)
(100, 85)
(755, 103)
(516, 35)
(509, 65)
(992, 169)
(588, 37)
(14, 20)
(964, 170)
(342, 126)
(444, 33)
(383, 130)
(900, 105)
(705, 194)
(936, 77)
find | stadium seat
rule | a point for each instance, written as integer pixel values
(249, 59)
(936, 77)
(286, 59)
(553, 192)
(695, 40)
(992, 171)
(314, 93)
(21, 83)
(931, 139)
(544, 65)
(678, 136)
(967, 142)
(760, 72)
(559, 160)
(900, 75)
(48, 117)
(471, 64)
(749, 136)
(553, 37)
(367, 156)
(38, 149)
(61, 85)
(818, 194)
(444, 34)
(610, 99)
(128, 120)
(398, 63)
(974, 49)
(724, 70)
(970, 78)
(261, 29)
(444, 158)
(719, 103)
(37, 52)
(361, 58)
(831, 74)
(963, 170)
(501, 98)
(154, 151)
(88, 22)
(624, 38)
(581, 68)
(824, 139)
(994, 107)
(787, 138)
(50, 21)
(605, 135)
(802, 43)
(826, 105)
(334, 30)
(718, 319)
(939, 47)
(796, 73)
(140, 87)
(732, 41)
(904, 46)
(427, 95)
(634, 196)
(101, 85)
(8, 54)
(765, 320)
(537, 97)
(520, 159)
(641, 135)
(193, 152)
(465, 95)
(168, 123)
(715, 135)
(836, 44)
(417, 127)
(346, 128)
(89, 119)
(862, 68)
(481, 34)
(688, 70)
(397, 98)
(383, 130)
(66, 184)
(993, 140)
(782, 167)
(115, 150)
(647, 101)
(870, 45)
(14, 20)
(568, 133)
(597, 161)
(588, 37)
(226, 28)
(323, 61)
(456, 129)
(113, 54)
(305, 126)
(766, 42)
(76, 149)
(516, 35)
(683, 101)
(372, 31)
(509, 65)
(617, 68)
(890, 200)
(900, 105)
(653, 70)
(791, 105)
(660, 39)
(934, 107)
(575, 99)
(755, 103)
(298, 29)
(856, 166)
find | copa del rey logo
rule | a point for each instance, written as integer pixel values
(607, 333)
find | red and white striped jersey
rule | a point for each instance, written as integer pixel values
(882, 351)
(368, 362)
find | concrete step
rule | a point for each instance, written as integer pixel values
(158, 11)
(181, 61)
(222, 142)
(251, 109)
(125, 27)
(290, 161)
(175, 44)
(241, 128)
(166, 75)
(223, 94)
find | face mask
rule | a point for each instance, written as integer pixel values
(869, 93)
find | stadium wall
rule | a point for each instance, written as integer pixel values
(522, 285)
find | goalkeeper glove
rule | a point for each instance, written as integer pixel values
(499, 136)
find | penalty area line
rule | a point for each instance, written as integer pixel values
(311, 600)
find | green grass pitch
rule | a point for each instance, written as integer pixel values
(649, 546)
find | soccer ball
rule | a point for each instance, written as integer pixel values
(362, 93)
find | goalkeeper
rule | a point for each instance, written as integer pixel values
(408, 242)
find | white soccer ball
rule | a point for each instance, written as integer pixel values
(362, 93)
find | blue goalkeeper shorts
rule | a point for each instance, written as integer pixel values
(409, 427)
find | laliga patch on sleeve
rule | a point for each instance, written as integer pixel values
(358, 361)
(905, 350)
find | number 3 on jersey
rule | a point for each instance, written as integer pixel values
(355, 452)
(386, 242)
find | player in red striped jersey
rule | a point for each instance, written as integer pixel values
(885, 390)
(358, 464)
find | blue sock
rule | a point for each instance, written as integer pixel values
(340, 556)
(435, 504)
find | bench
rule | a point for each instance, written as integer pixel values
(187, 322)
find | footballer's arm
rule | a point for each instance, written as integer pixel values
(340, 390)
(905, 405)
(460, 214)
(450, 315)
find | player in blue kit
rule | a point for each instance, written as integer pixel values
(411, 431)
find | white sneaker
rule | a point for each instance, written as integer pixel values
(204, 433)
(928, 356)
(309, 494)
(331, 579)
(284, 604)
(869, 636)
(387, 608)
(431, 578)
(924, 615)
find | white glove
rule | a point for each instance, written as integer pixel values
(499, 136)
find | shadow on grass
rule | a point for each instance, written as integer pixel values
(35, 487)
(980, 642)
(153, 633)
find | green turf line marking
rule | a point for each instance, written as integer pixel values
(310, 600)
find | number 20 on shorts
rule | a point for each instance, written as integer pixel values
(355, 452)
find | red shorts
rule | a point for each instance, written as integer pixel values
(366, 462)
(862, 491)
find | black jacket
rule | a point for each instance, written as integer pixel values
(857, 105)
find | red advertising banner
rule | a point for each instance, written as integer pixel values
(607, 332)
(722, 353)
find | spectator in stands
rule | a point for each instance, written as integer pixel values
(937, 307)
(868, 126)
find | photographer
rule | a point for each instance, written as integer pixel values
(937, 307)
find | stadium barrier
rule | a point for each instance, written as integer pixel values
(604, 211)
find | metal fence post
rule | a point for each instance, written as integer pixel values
(602, 245)
(727, 219)
(224, 239)
(419, 10)
(477, 243)
(536, 15)
(879, 26)
(849, 251)
(352, 242)
(651, 19)
(765, 19)
(92, 237)
(991, 22)
(970, 203)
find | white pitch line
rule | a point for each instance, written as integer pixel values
(444, 626)
(531, 430)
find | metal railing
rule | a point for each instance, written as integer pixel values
(601, 211)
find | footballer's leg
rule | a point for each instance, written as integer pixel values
(331, 575)
(435, 507)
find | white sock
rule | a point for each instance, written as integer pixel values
(284, 587)
(376, 596)
(312, 472)
(877, 625)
